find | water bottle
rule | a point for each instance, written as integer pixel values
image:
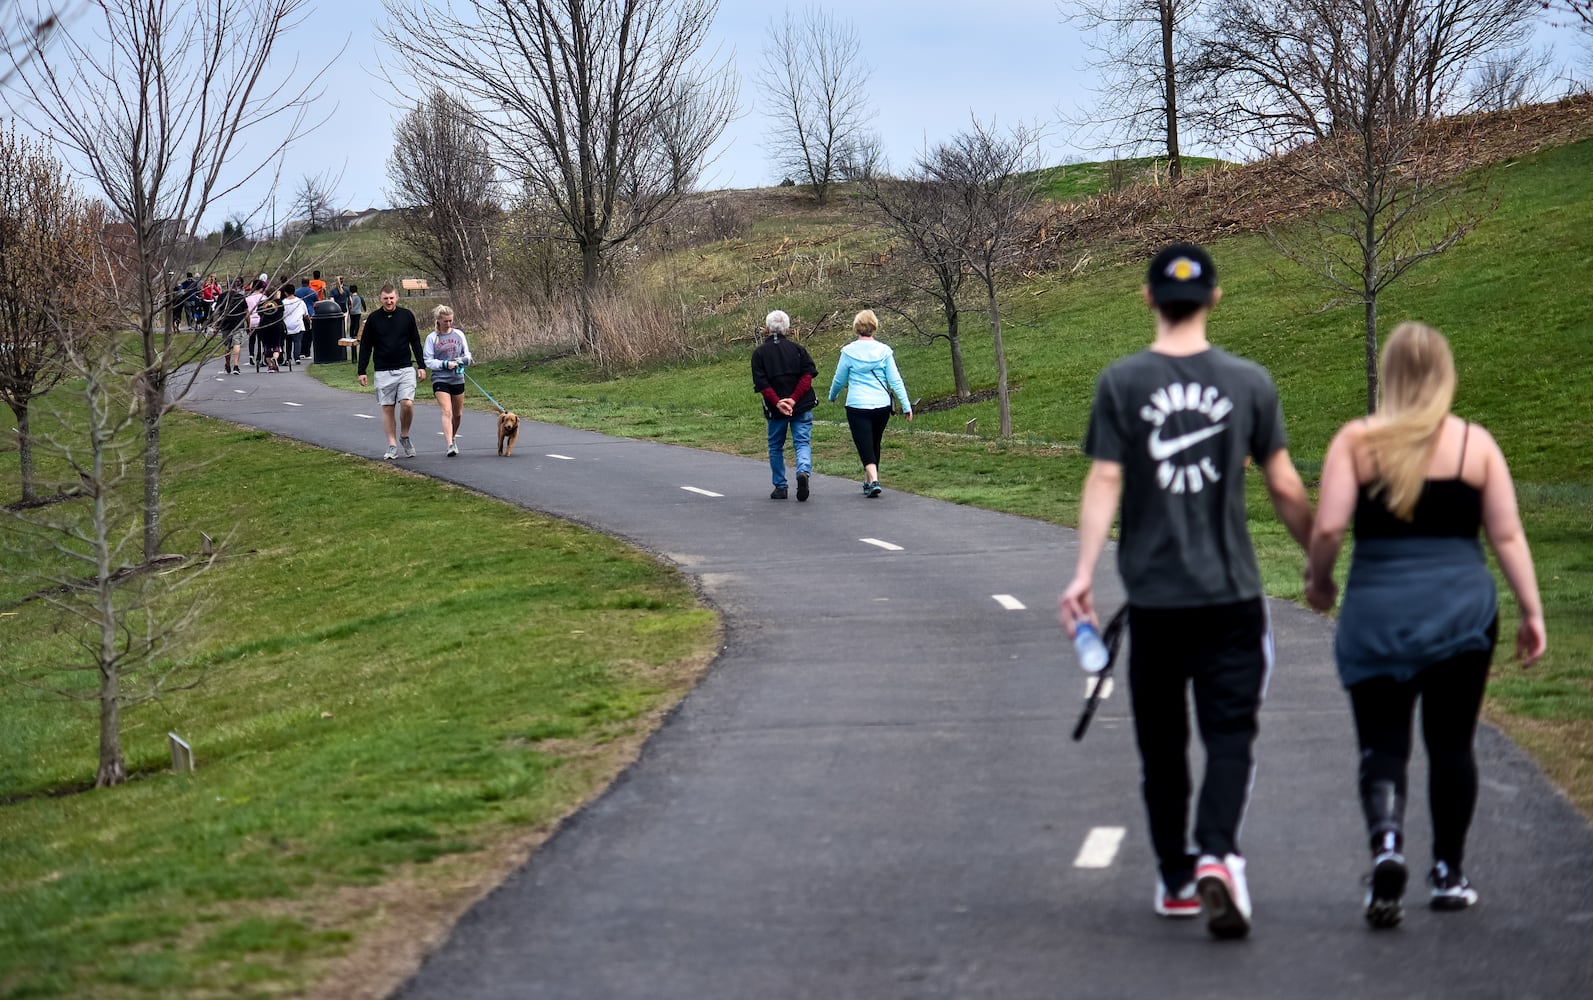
(1089, 647)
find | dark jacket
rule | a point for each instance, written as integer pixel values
(783, 368)
(393, 338)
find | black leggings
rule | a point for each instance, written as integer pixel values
(868, 430)
(1451, 696)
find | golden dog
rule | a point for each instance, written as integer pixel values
(508, 427)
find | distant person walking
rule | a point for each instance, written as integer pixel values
(356, 309)
(1169, 435)
(1421, 612)
(393, 339)
(232, 324)
(783, 374)
(447, 353)
(295, 316)
(867, 369)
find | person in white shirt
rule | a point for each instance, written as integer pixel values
(294, 312)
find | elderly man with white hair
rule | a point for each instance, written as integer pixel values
(783, 373)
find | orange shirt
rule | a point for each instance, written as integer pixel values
(320, 288)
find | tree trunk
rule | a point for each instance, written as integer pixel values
(1371, 353)
(959, 374)
(154, 400)
(1003, 403)
(589, 274)
(112, 768)
(1175, 162)
(24, 451)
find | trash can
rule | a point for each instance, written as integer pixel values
(326, 328)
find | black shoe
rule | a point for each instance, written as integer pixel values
(802, 486)
(872, 489)
(778, 493)
(1384, 906)
(1451, 891)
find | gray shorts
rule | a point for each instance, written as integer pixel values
(392, 386)
(235, 338)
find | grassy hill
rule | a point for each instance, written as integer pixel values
(1508, 297)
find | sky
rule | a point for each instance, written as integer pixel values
(933, 63)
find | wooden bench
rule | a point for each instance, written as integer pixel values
(416, 286)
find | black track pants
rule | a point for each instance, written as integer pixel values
(1451, 696)
(1222, 654)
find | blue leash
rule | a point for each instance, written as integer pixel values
(484, 392)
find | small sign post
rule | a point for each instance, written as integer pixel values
(182, 755)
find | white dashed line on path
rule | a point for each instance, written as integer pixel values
(1100, 847)
(562, 458)
(706, 493)
(1094, 679)
(1009, 602)
(286, 403)
(241, 392)
(887, 546)
(365, 416)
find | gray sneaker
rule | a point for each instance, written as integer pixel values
(409, 447)
(391, 452)
(453, 449)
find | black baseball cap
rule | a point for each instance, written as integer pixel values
(1182, 272)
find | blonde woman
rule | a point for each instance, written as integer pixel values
(867, 369)
(1420, 613)
(446, 354)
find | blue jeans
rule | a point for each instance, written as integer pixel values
(801, 427)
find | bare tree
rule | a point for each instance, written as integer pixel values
(990, 179)
(1142, 48)
(813, 80)
(153, 100)
(46, 229)
(313, 201)
(445, 186)
(600, 106)
(1350, 91)
(126, 613)
(927, 217)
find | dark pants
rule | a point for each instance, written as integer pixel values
(1223, 653)
(354, 324)
(1451, 696)
(868, 430)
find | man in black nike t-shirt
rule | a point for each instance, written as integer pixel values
(1170, 432)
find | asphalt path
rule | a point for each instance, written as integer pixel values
(874, 793)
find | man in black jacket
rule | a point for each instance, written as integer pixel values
(783, 373)
(392, 336)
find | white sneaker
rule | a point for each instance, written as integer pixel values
(1183, 904)
(409, 447)
(453, 449)
(1224, 894)
(391, 452)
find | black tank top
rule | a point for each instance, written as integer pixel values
(1446, 508)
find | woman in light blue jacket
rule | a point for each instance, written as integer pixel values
(868, 371)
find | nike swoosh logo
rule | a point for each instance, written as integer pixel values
(1160, 449)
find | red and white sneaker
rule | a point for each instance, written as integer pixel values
(1180, 905)
(1220, 882)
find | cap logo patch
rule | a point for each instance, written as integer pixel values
(1183, 269)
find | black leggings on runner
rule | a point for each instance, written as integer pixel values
(1451, 696)
(868, 430)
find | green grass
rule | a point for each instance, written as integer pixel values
(400, 679)
(1077, 180)
(1509, 297)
